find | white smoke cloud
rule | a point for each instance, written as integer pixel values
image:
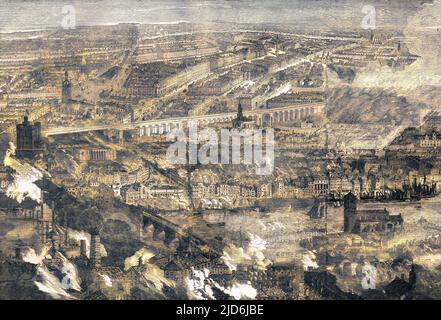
(152, 273)
(107, 280)
(30, 256)
(142, 254)
(369, 279)
(199, 284)
(51, 285)
(241, 291)
(200, 287)
(47, 281)
(25, 175)
(253, 253)
(309, 261)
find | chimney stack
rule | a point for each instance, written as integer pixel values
(18, 252)
(53, 215)
(66, 232)
(83, 250)
(95, 252)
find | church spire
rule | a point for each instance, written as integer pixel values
(239, 112)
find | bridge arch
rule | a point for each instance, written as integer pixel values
(158, 229)
(169, 236)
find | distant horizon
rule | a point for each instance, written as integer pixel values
(19, 16)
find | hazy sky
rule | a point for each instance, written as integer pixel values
(32, 14)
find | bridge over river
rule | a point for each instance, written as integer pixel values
(173, 231)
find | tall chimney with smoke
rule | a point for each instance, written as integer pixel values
(95, 253)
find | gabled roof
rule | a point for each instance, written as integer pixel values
(350, 195)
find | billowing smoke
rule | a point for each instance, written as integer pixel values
(422, 38)
(202, 287)
(30, 256)
(107, 280)
(57, 287)
(143, 255)
(241, 291)
(23, 186)
(8, 160)
(309, 261)
(152, 273)
(369, 279)
(252, 254)
(199, 285)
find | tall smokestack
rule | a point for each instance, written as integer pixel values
(66, 232)
(95, 254)
(53, 215)
(42, 206)
(83, 250)
(18, 252)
